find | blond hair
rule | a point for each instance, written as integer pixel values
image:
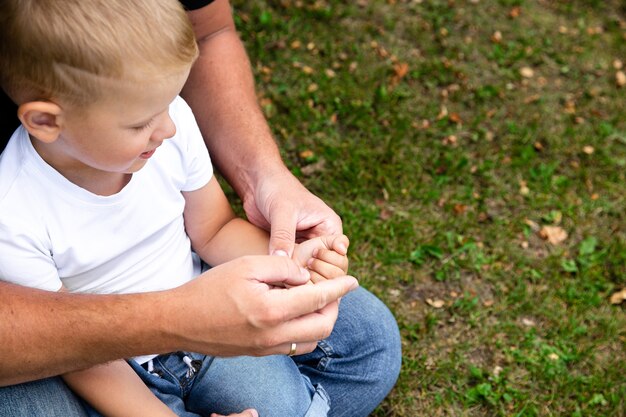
(67, 49)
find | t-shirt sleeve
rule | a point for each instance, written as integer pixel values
(25, 259)
(197, 161)
(195, 4)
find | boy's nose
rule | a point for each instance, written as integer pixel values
(166, 129)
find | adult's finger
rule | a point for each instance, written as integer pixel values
(274, 270)
(246, 413)
(298, 301)
(307, 330)
(283, 233)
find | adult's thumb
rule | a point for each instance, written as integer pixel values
(246, 413)
(282, 237)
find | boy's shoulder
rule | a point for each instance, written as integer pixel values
(12, 161)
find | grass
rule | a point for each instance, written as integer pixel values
(448, 135)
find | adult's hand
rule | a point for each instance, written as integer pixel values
(221, 92)
(242, 308)
(246, 413)
(282, 205)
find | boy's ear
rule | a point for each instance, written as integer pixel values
(42, 119)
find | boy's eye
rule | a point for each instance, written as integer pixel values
(144, 126)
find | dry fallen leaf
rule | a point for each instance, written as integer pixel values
(620, 78)
(307, 154)
(455, 118)
(442, 113)
(401, 69)
(526, 72)
(588, 149)
(619, 297)
(553, 234)
(523, 189)
(435, 303)
(533, 225)
(313, 168)
(295, 44)
(460, 208)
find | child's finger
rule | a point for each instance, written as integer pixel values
(340, 244)
(325, 269)
(332, 257)
(315, 277)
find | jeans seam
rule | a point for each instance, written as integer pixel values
(328, 352)
(174, 377)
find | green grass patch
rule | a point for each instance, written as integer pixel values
(452, 136)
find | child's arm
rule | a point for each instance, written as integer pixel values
(218, 236)
(114, 389)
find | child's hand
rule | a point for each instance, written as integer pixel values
(326, 257)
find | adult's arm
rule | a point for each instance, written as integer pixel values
(221, 92)
(230, 310)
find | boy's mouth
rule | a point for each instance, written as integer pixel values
(148, 154)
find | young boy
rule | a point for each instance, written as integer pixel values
(107, 186)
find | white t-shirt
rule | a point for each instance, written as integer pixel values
(53, 232)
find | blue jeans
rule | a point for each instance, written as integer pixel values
(351, 372)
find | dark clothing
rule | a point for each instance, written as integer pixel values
(8, 121)
(8, 109)
(195, 4)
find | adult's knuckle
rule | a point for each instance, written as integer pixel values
(282, 234)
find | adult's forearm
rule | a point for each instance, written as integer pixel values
(231, 310)
(221, 92)
(46, 333)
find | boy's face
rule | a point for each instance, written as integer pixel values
(122, 131)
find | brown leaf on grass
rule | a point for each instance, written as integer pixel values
(533, 225)
(295, 44)
(569, 106)
(400, 70)
(436, 303)
(386, 212)
(460, 208)
(515, 12)
(455, 118)
(307, 154)
(553, 234)
(311, 169)
(620, 78)
(527, 72)
(442, 113)
(532, 99)
(618, 297)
